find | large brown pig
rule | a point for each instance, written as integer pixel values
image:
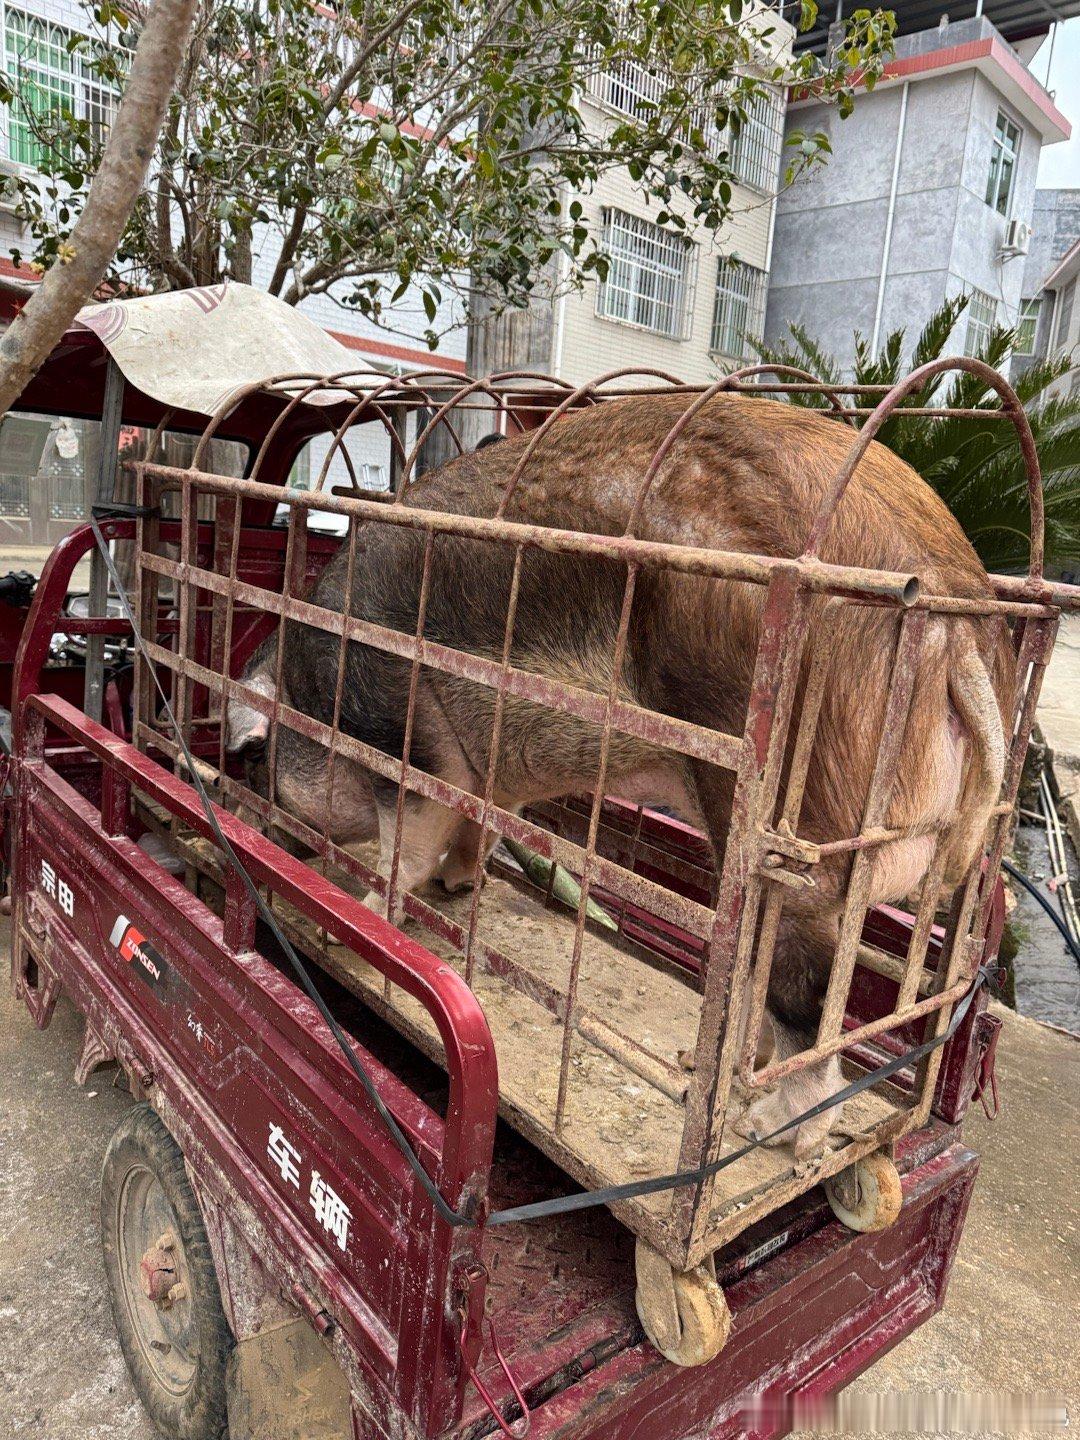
(746, 475)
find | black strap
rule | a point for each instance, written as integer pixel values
(541, 1209)
(121, 510)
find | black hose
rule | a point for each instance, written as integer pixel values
(1041, 898)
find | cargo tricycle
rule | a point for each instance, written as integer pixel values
(356, 1194)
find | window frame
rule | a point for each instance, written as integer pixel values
(636, 264)
(757, 150)
(1000, 154)
(1063, 314)
(66, 78)
(980, 320)
(1027, 322)
(729, 294)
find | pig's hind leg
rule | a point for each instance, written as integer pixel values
(805, 947)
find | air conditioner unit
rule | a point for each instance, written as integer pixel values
(1017, 238)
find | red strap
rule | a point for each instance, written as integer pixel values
(520, 1428)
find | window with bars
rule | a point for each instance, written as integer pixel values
(628, 88)
(738, 310)
(981, 318)
(756, 149)
(1026, 326)
(650, 277)
(54, 79)
(1004, 150)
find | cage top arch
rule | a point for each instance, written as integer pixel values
(440, 397)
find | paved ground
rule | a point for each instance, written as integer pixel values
(1009, 1325)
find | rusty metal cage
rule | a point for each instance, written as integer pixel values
(623, 1046)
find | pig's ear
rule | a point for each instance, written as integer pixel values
(246, 725)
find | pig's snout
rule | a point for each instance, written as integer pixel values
(245, 727)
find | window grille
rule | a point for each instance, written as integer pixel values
(650, 275)
(981, 318)
(54, 79)
(628, 88)
(757, 148)
(739, 309)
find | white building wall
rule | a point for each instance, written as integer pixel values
(586, 344)
(593, 344)
(398, 349)
(394, 351)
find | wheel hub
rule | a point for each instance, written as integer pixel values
(155, 1275)
(157, 1272)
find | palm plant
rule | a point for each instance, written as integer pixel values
(975, 465)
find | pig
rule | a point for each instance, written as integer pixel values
(746, 474)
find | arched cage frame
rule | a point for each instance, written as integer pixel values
(719, 932)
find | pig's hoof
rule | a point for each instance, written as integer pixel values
(376, 903)
(812, 1136)
(867, 1195)
(765, 1115)
(684, 1313)
(455, 877)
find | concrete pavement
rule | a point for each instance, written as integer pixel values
(1009, 1324)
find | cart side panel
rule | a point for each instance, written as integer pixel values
(806, 1323)
(247, 1076)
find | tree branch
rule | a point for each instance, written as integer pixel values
(72, 280)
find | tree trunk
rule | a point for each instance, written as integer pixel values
(71, 282)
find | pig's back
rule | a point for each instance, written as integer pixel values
(746, 474)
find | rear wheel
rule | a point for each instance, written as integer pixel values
(867, 1196)
(164, 1289)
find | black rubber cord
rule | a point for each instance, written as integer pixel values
(1037, 894)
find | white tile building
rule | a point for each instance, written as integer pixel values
(34, 37)
(687, 303)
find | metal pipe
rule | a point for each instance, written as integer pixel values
(815, 574)
(889, 215)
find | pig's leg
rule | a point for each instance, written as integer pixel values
(426, 832)
(458, 868)
(345, 812)
(805, 947)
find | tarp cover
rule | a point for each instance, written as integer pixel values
(192, 349)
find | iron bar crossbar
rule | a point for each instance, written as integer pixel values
(767, 866)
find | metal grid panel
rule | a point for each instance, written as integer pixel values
(981, 319)
(756, 148)
(739, 308)
(730, 920)
(627, 87)
(54, 79)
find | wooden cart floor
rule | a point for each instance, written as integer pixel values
(617, 1127)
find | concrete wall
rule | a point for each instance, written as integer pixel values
(1056, 226)
(831, 225)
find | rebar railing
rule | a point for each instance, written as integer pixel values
(662, 903)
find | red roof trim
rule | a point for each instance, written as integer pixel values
(1030, 86)
(424, 359)
(952, 56)
(18, 272)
